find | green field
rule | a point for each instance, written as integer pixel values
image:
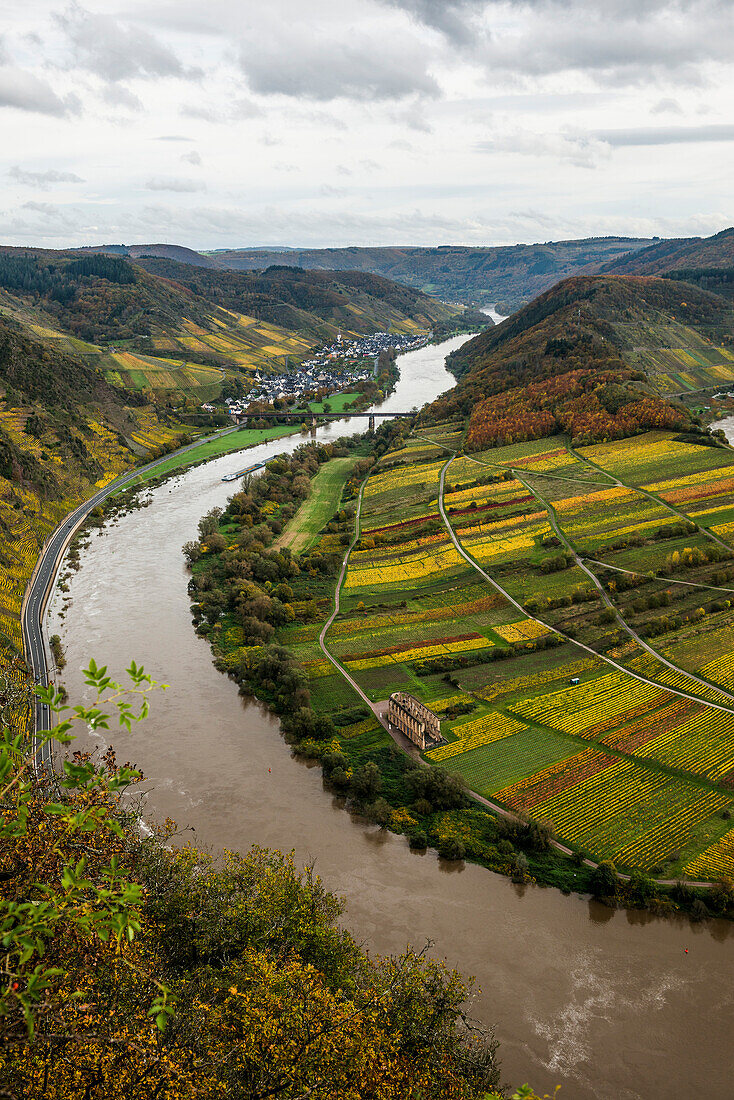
(319, 507)
(214, 447)
(337, 402)
(489, 768)
(425, 608)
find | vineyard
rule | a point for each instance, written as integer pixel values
(245, 341)
(70, 467)
(633, 761)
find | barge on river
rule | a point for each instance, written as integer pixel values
(241, 473)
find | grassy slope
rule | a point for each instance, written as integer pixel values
(318, 508)
(172, 328)
(63, 431)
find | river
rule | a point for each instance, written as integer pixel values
(606, 1004)
(726, 425)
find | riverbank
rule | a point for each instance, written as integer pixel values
(569, 982)
(348, 734)
(235, 439)
(200, 452)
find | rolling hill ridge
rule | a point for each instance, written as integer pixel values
(174, 329)
(510, 274)
(597, 357)
(473, 275)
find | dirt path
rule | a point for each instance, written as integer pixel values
(655, 577)
(335, 611)
(553, 519)
(650, 496)
(377, 708)
(580, 645)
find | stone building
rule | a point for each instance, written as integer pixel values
(413, 718)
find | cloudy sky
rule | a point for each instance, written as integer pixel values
(225, 123)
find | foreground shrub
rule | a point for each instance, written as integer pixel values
(136, 971)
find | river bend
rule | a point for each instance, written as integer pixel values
(607, 1004)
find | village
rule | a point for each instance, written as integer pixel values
(338, 366)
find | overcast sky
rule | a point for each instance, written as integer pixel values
(226, 123)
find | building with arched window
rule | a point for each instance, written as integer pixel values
(413, 718)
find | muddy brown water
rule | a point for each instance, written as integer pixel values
(606, 1004)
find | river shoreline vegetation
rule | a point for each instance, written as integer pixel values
(597, 707)
(134, 967)
(104, 366)
(545, 557)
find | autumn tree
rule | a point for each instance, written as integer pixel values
(135, 969)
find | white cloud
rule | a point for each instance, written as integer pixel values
(41, 179)
(46, 208)
(183, 186)
(580, 150)
(666, 106)
(667, 135)
(453, 18)
(227, 111)
(28, 92)
(115, 50)
(117, 95)
(311, 62)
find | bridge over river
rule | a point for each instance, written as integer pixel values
(604, 1002)
(306, 415)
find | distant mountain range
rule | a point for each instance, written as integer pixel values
(504, 275)
(689, 253)
(508, 275)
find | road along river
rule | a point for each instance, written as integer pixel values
(607, 1004)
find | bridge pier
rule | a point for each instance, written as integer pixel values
(313, 421)
(371, 423)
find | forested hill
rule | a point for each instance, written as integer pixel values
(35, 373)
(97, 298)
(691, 253)
(102, 297)
(510, 274)
(707, 262)
(594, 357)
(507, 274)
(304, 301)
